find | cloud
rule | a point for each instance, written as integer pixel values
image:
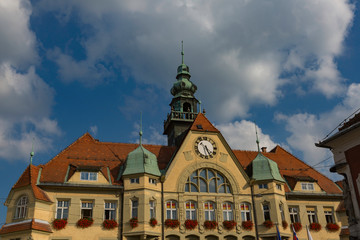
(94, 130)
(151, 135)
(241, 53)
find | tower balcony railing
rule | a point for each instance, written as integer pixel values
(179, 115)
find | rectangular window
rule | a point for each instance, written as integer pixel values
(134, 208)
(307, 186)
(311, 213)
(86, 209)
(263, 186)
(245, 211)
(152, 181)
(228, 212)
(209, 210)
(329, 215)
(62, 209)
(134, 180)
(88, 176)
(281, 207)
(152, 209)
(171, 210)
(294, 214)
(278, 186)
(266, 210)
(190, 210)
(110, 211)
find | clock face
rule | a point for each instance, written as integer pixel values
(205, 147)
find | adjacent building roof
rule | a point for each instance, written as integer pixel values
(30, 224)
(263, 168)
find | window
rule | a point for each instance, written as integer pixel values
(134, 180)
(134, 208)
(209, 210)
(281, 207)
(86, 209)
(266, 210)
(152, 181)
(278, 186)
(21, 207)
(307, 186)
(110, 211)
(294, 214)
(88, 176)
(190, 209)
(207, 180)
(62, 209)
(329, 215)
(171, 209)
(311, 214)
(245, 211)
(152, 209)
(263, 186)
(228, 211)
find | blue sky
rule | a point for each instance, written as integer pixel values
(70, 67)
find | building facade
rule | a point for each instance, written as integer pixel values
(197, 188)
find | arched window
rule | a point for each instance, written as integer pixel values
(228, 211)
(207, 180)
(21, 207)
(190, 209)
(209, 210)
(171, 209)
(245, 211)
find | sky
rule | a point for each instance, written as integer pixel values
(290, 68)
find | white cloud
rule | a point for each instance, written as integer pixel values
(94, 130)
(238, 51)
(151, 135)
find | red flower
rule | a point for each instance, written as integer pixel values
(85, 222)
(315, 226)
(134, 222)
(210, 224)
(297, 226)
(172, 223)
(59, 224)
(284, 224)
(247, 225)
(153, 222)
(268, 224)
(229, 225)
(332, 227)
(110, 224)
(191, 224)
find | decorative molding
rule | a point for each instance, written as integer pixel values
(188, 156)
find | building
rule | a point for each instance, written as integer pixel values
(345, 146)
(197, 187)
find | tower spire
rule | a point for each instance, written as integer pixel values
(182, 52)
(257, 138)
(140, 133)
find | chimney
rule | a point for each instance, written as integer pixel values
(263, 149)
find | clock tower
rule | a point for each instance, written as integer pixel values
(184, 106)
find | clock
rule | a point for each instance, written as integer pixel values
(205, 147)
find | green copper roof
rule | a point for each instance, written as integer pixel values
(264, 168)
(141, 161)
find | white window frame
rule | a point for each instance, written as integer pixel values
(21, 207)
(245, 213)
(306, 186)
(329, 213)
(152, 181)
(266, 211)
(62, 209)
(152, 208)
(311, 214)
(87, 205)
(109, 210)
(171, 209)
(294, 214)
(88, 176)
(134, 208)
(263, 186)
(134, 180)
(282, 213)
(190, 213)
(228, 213)
(209, 212)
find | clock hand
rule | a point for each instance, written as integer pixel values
(207, 150)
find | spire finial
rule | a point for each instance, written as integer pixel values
(32, 152)
(182, 52)
(140, 133)
(257, 138)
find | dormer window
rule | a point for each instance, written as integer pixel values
(307, 186)
(88, 176)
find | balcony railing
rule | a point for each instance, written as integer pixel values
(178, 115)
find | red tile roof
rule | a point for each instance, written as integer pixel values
(31, 224)
(205, 124)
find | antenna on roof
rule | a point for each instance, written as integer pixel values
(140, 133)
(32, 151)
(199, 106)
(182, 52)
(257, 138)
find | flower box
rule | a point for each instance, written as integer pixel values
(110, 224)
(247, 225)
(172, 223)
(134, 222)
(284, 224)
(59, 224)
(229, 225)
(297, 226)
(332, 227)
(210, 224)
(191, 224)
(84, 222)
(153, 222)
(315, 226)
(268, 224)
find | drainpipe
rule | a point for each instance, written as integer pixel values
(121, 210)
(162, 179)
(254, 209)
